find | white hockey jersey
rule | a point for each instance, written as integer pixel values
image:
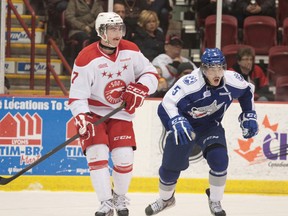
(98, 80)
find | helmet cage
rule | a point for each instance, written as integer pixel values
(104, 27)
(205, 66)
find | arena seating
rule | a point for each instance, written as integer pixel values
(260, 32)
(229, 31)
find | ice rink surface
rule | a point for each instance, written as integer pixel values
(44, 203)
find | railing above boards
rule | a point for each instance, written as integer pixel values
(30, 33)
(50, 69)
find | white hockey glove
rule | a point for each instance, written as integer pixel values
(134, 95)
(181, 129)
(84, 124)
(248, 123)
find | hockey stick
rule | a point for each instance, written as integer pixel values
(4, 181)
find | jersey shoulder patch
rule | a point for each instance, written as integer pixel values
(235, 79)
(189, 79)
(238, 76)
(233, 75)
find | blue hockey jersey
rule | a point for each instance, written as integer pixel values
(203, 105)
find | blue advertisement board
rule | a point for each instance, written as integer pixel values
(32, 127)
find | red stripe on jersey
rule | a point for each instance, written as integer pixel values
(71, 100)
(123, 169)
(98, 165)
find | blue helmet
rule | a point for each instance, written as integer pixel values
(212, 57)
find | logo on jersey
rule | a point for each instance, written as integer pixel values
(190, 80)
(238, 76)
(114, 90)
(200, 112)
(105, 65)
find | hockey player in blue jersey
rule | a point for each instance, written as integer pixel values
(191, 112)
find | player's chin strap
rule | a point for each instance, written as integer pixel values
(107, 47)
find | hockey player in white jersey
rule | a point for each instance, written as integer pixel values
(105, 75)
(191, 112)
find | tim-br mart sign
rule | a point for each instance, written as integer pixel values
(30, 128)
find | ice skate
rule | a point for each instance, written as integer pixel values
(106, 208)
(120, 203)
(215, 207)
(159, 205)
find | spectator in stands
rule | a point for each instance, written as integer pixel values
(55, 9)
(205, 8)
(185, 68)
(80, 16)
(245, 8)
(133, 9)
(252, 73)
(119, 8)
(170, 62)
(147, 35)
(163, 10)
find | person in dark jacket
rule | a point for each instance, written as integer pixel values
(119, 8)
(205, 8)
(245, 8)
(149, 38)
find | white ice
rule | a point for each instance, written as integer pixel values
(44, 203)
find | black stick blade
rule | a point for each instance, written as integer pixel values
(4, 181)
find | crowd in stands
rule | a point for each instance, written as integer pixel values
(147, 25)
(238, 8)
(147, 35)
(80, 16)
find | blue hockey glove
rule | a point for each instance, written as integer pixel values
(248, 123)
(181, 129)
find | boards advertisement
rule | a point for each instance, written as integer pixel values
(30, 128)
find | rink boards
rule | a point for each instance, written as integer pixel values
(31, 127)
